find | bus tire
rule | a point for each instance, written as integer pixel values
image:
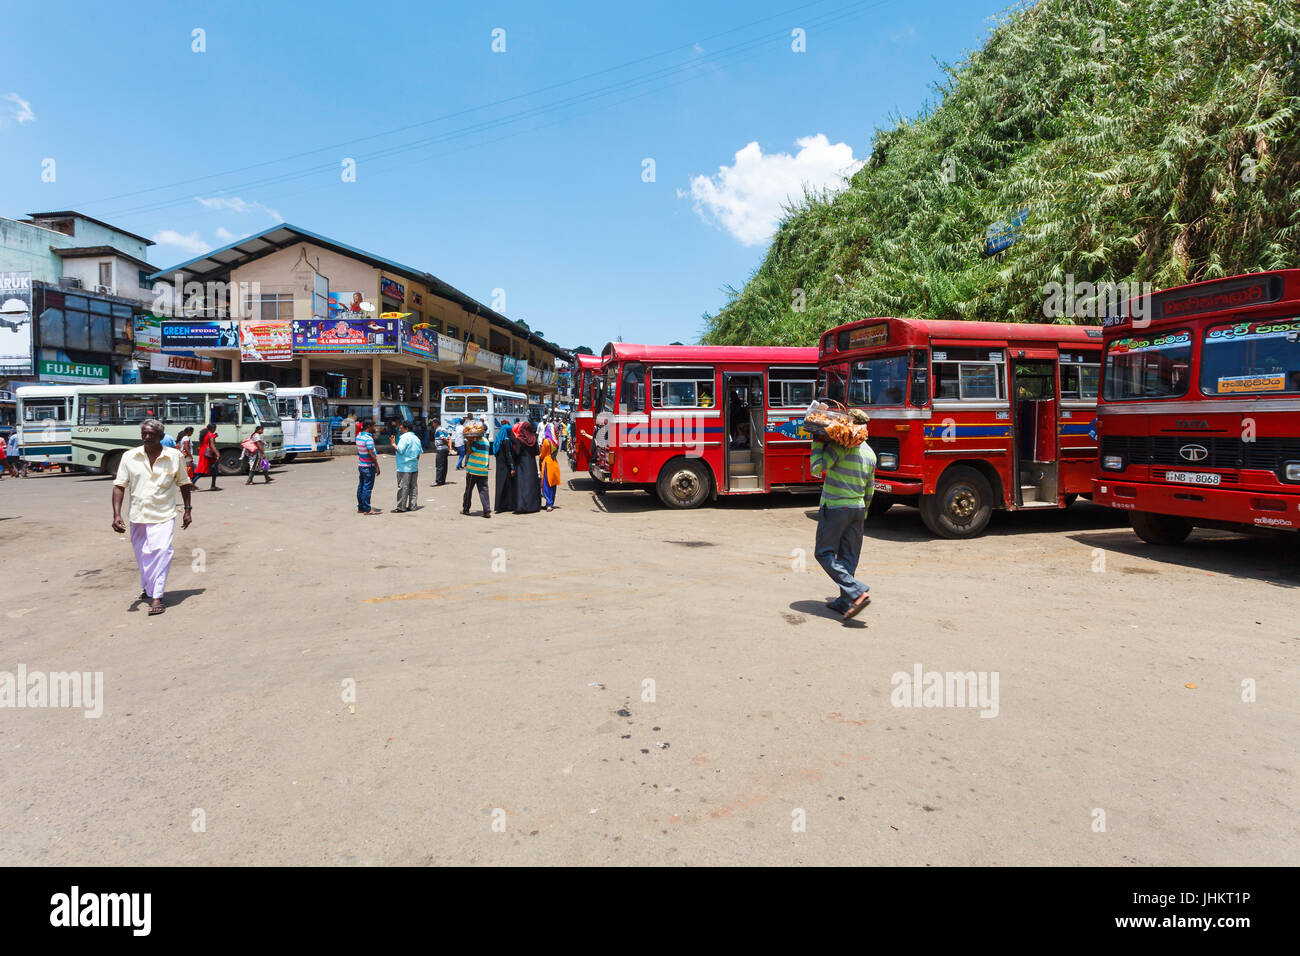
(111, 461)
(961, 505)
(228, 463)
(290, 456)
(1071, 499)
(879, 505)
(683, 483)
(598, 486)
(1160, 529)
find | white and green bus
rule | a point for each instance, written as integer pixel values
(45, 423)
(107, 418)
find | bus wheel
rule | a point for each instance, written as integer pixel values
(598, 486)
(683, 484)
(228, 464)
(961, 506)
(288, 458)
(879, 505)
(111, 461)
(1070, 499)
(1159, 529)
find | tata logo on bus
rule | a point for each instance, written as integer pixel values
(869, 335)
(1194, 452)
(1235, 294)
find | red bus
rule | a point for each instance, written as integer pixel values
(586, 371)
(692, 422)
(1200, 408)
(970, 416)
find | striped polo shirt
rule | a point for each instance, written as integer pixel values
(365, 450)
(850, 474)
(477, 462)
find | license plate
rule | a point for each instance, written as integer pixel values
(1193, 477)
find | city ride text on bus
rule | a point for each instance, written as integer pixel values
(1200, 407)
(490, 405)
(106, 419)
(694, 422)
(967, 417)
(586, 370)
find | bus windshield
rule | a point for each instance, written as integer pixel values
(878, 381)
(476, 403)
(454, 404)
(261, 406)
(1148, 366)
(1252, 357)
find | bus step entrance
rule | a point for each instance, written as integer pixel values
(1038, 487)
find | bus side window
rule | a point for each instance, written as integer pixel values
(223, 411)
(632, 394)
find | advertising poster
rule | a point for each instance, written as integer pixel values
(265, 341)
(15, 323)
(390, 289)
(419, 340)
(198, 336)
(345, 304)
(521, 372)
(181, 364)
(471, 353)
(73, 373)
(148, 334)
(347, 336)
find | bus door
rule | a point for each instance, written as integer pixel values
(744, 419)
(1036, 407)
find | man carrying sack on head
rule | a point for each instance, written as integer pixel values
(848, 482)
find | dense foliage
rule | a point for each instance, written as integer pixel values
(1145, 140)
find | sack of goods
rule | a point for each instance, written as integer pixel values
(847, 428)
(474, 430)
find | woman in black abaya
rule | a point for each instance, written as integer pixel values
(505, 456)
(528, 488)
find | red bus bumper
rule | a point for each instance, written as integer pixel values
(1258, 509)
(888, 484)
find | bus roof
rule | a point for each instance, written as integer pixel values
(46, 391)
(1252, 294)
(763, 354)
(480, 390)
(587, 361)
(287, 392)
(169, 388)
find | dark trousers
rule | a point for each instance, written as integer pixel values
(365, 483)
(480, 482)
(838, 546)
(440, 466)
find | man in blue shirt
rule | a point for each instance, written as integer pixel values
(407, 455)
(441, 443)
(367, 468)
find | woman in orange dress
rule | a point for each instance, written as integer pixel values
(209, 456)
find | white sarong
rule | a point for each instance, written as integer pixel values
(153, 553)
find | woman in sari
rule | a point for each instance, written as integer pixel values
(528, 498)
(504, 453)
(209, 456)
(550, 467)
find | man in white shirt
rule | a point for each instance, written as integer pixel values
(153, 474)
(458, 440)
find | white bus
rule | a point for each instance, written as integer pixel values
(491, 405)
(45, 423)
(304, 419)
(106, 419)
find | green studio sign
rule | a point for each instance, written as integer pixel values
(72, 372)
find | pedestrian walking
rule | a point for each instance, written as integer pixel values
(406, 462)
(367, 468)
(14, 463)
(441, 447)
(505, 461)
(255, 452)
(168, 441)
(476, 474)
(152, 474)
(528, 497)
(458, 440)
(209, 457)
(185, 445)
(847, 485)
(550, 467)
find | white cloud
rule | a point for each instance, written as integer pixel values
(235, 204)
(224, 234)
(22, 110)
(746, 198)
(192, 244)
(907, 33)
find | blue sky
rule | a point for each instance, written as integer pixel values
(520, 170)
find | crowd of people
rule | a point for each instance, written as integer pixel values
(526, 456)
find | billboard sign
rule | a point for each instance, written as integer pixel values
(15, 323)
(198, 336)
(346, 336)
(421, 341)
(181, 364)
(73, 373)
(265, 341)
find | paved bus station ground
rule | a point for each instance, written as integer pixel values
(618, 682)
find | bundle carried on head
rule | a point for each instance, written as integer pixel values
(474, 429)
(847, 428)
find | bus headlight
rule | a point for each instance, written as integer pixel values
(1113, 462)
(888, 461)
(1291, 471)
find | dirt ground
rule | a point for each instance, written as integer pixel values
(619, 683)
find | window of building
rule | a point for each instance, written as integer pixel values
(270, 307)
(454, 332)
(106, 274)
